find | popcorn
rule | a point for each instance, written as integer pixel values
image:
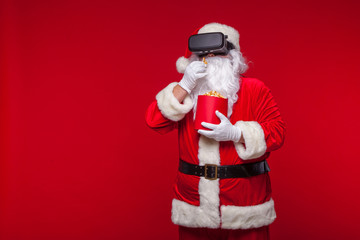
(214, 94)
(204, 60)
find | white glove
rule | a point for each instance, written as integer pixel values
(193, 72)
(224, 131)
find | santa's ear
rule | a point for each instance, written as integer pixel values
(181, 64)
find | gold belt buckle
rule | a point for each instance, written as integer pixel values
(216, 169)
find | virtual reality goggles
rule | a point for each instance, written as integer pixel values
(205, 43)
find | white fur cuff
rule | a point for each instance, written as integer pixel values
(234, 217)
(255, 145)
(170, 106)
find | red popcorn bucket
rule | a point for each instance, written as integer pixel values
(205, 110)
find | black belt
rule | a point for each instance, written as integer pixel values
(212, 171)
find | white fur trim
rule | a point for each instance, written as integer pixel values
(208, 213)
(170, 106)
(254, 140)
(205, 215)
(181, 64)
(233, 34)
(234, 217)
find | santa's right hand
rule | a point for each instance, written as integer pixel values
(194, 71)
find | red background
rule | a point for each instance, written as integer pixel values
(77, 160)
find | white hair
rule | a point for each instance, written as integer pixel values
(223, 76)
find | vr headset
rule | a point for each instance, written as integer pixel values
(205, 43)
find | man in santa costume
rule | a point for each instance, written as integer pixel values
(222, 189)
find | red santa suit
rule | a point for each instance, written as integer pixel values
(234, 203)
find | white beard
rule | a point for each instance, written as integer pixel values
(223, 77)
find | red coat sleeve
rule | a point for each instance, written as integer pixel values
(265, 133)
(156, 121)
(268, 116)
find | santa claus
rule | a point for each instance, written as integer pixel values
(222, 189)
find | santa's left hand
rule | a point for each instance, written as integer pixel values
(224, 131)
